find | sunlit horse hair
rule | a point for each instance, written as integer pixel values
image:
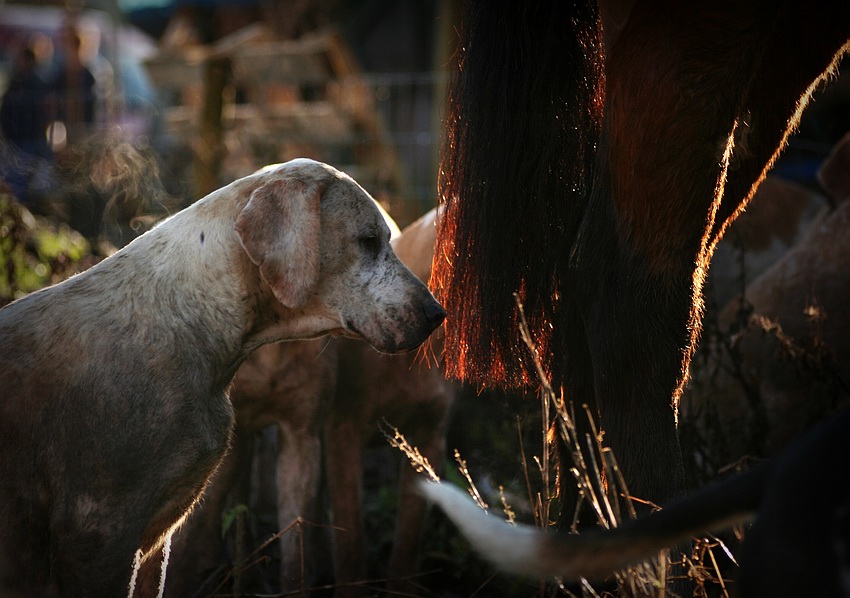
(515, 212)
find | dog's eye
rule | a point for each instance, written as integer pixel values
(371, 244)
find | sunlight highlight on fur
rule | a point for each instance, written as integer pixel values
(137, 563)
(166, 554)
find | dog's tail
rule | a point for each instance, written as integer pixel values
(526, 550)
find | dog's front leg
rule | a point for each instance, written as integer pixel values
(344, 456)
(298, 478)
(429, 438)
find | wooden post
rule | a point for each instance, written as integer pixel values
(209, 145)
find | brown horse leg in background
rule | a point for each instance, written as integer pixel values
(698, 102)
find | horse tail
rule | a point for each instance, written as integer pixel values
(523, 122)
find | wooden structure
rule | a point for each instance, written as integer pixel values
(249, 100)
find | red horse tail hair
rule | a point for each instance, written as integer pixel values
(523, 123)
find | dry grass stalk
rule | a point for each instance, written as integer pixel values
(417, 460)
(600, 483)
(473, 489)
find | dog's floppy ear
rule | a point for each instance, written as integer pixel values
(279, 228)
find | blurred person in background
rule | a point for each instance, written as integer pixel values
(24, 121)
(74, 90)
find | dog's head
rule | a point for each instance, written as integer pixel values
(321, 244)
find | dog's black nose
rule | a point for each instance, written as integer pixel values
(434, 313)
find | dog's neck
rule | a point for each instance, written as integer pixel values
(187, 287)
(178, 290)
(210, 288)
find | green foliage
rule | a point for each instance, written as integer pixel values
(34, 252)
(228, 517)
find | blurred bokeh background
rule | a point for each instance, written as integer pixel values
(116, 113)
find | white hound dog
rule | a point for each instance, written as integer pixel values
(113, 404)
